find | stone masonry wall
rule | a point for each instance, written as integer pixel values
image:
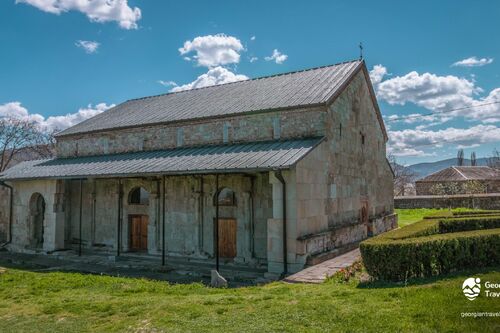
(53, 223)
(358, 172)
(249, 128)
(424, 188)
(4, 214)
(478, 201)
(346, 172)
(186, 233)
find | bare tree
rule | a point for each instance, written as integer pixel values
(23, 139)
(473, 161)
(494, 160)
(403, 176)
(460, 157)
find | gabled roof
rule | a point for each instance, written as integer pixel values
(305, 88)
(247, 157)
(463, 173)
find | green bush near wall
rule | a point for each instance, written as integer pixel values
(434, 246)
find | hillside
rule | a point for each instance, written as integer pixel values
(425, 169)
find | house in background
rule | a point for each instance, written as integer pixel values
(455, 178)
(292, 169)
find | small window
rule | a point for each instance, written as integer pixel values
(362, 138)
(226, 197)
(138, 196)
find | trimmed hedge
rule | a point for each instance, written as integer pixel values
(476, 212)
(432, 247)
(467, 224)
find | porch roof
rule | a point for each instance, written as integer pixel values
(244, 157)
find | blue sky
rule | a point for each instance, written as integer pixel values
(62, 61)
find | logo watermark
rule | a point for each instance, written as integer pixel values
(471, 288)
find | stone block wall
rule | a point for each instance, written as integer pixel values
(53, 224)
(478, 201)
(4, 214)
(424, 187)
(189, 214)
(247, 128)
(357, 170)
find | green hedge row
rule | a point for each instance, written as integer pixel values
(431, 255)
(433, 246)
(475, 212)
(466, 224)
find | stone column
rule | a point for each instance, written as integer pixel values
(275, 225)
(199, 223)
(247, 227)
(55, 222)
(93, 218)
(154, 217)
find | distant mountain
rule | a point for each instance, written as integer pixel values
(425, 169)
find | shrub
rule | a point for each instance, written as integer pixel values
(475, 212)
(466, 224)
(431, 255)
(432, 247)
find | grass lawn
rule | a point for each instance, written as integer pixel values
(408, 216)
(71, 302)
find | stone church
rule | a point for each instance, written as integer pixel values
(278, 172)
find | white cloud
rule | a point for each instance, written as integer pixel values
(89, 46)
(253, 59)
(252, 38)
(213, 50)
(167, 83)
(412, 142)
(214, 76)
(473, 62)
(96, 10)
(377, 74)
(52, 123)
(277, 57)
(438, 94)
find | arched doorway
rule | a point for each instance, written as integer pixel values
(138, 223)
(227, 224)
(37, 214)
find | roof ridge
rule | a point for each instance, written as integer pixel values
(247, 80)
(460, 172)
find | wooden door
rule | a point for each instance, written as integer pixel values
(138, 232)
(227, 238)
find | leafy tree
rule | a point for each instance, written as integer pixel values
(473, 187)
(473, 161)
(460, 157)
(494, 160)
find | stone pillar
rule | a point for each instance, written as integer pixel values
(199, 223)
(275, 225)
(247, 227)
(93, 212)
(154, 219)
(54, 223)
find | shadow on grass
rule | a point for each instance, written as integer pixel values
(43, 264)
(428, 280)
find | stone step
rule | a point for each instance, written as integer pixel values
(324, 256)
